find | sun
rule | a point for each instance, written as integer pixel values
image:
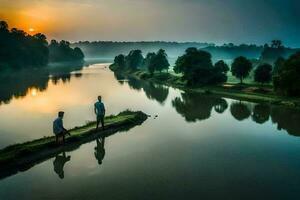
(31, 30)
(33, 92)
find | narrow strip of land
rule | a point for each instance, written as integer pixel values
(20, 157)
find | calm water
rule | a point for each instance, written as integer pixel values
(197, 147)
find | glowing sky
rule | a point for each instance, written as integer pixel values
(248, 21)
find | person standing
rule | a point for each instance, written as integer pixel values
(99, 109)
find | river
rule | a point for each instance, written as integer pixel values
(193, 146)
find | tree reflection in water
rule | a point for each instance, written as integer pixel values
(17, 83)
(195, 106)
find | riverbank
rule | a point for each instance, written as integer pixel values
(246, 92)
(20, 157)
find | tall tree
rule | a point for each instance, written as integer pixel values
(196, 66)
(263, 73)
(134, 59)
(149, 62)
(161, 59)
(287, 81)
(241, 68)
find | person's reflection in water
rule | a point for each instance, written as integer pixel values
(59, 163)
(99, 150)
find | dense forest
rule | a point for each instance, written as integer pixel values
(19, 49)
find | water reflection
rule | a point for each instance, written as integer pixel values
(18, 83)
(287, 119)
(261, 113)
(240, 111)
(153, 91)
(195, 106)
(59, 163)
(100, 150)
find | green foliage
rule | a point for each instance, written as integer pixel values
(220, 71)
(62, 51)
(156, 61)
(161, 60)
(150, 63)
(134, 59)
(287, 81)
(17, 48)
(197, 68)
(119, 61)
(263, 73)
(241, 68)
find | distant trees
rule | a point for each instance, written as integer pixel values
(197, 67)
(287, 80)
(241, 68)
(61, 51)
(19, 49)
(157, 61)
(273, 52)
(263, 73)
(134, 59)
(120, 61)
(150, 62)
(161, 59)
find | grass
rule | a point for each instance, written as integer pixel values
(17, 156)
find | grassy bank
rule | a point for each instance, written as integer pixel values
(20, 157)
(248, 92)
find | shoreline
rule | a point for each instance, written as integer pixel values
(219, 90)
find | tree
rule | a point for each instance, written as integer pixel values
(276, 44)
(3, 26)
(120, 62)
(241, 68)
(263, 73)
(287, 81)
(196, 66)
(149, 62)
(220, 71)
(161, 60)
(134, 59)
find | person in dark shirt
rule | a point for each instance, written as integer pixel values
(58, 127)
(99, 109)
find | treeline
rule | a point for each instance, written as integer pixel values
(19, 49)
(197, 68)
(135, 60)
